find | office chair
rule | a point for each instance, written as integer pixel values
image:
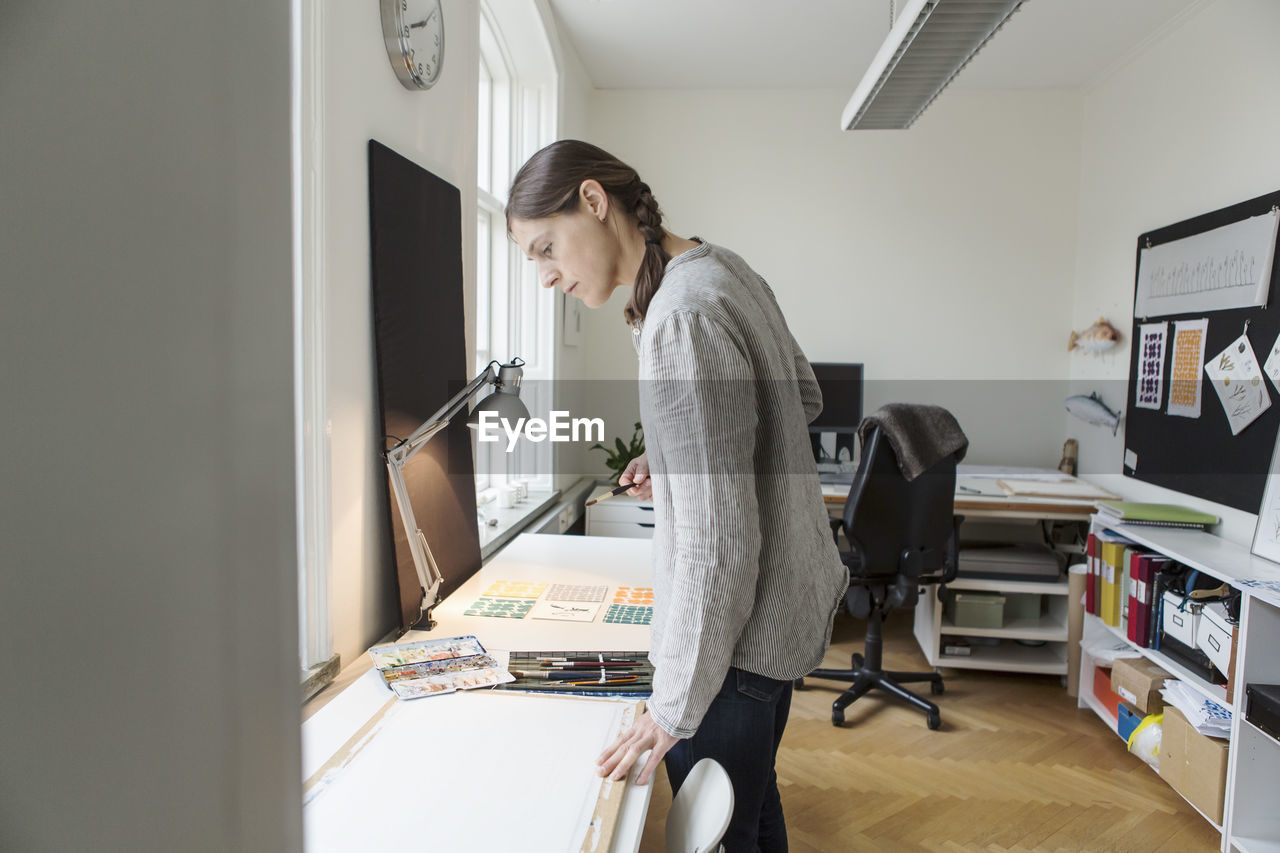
(901, 535)
(700, 813)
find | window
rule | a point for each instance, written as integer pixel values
(516, 101)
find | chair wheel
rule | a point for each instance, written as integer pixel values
(798, 684)
(934, 721)
(837, 718)
(936, 688)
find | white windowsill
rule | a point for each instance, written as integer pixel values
(511, 520)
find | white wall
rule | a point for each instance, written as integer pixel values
(363, 100)
(942, 257)
(574, 94)
(148, 581)
(1188, 127)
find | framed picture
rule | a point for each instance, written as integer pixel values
(1266, 536)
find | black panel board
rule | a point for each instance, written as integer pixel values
(1199, 456)
(421, 361)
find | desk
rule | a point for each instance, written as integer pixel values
(1032, 645)
(989, 502)
(556, 559)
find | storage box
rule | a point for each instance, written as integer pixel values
(977, 610)
(1213, 635)
(1138, 681)
(1102, 690)
(1127, 719)
(1019, 561)
(1181, 618)
(1262, 707)
(1024, 606)
(1194, 764)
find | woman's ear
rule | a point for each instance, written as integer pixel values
(594, 198)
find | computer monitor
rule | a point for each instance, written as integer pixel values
(841, 386)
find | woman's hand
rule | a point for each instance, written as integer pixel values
(643, 735)
(638, 472)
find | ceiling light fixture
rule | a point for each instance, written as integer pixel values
(928, 45)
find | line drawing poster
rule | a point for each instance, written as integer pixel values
(1239, 383)
(1150, 391)
(1184, 374)
(1226, 267)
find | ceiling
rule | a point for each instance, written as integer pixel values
(794, 44)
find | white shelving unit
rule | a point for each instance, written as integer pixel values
(1048, 631)
(1251, 819)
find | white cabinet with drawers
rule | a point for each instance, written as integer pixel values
(621, 516)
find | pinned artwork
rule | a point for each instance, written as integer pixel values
(1225, 267)
(1150, 390)
(1266, 536)
(1184, 374)
(1238, 380)
(1272, 367)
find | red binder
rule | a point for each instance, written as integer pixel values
(1148, 566)
(1091, 560)
(1135, 595)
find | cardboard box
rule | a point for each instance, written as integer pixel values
(1102, 690)
(1194, 764)
(1138, 682)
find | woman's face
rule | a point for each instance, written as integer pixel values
(577, 252)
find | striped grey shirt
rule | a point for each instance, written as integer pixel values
(745, 570)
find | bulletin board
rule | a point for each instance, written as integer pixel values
(420, 362)
(1199, 455)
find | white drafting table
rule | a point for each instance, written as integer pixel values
(529, 557)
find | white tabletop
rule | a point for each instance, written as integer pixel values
(530, 557)
(603, 560)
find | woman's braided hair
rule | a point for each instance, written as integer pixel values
(548, 184)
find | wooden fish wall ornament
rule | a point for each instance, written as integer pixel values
(1099, 337)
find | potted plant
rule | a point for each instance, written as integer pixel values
(621, 455)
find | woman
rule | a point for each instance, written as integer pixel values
(746, 576)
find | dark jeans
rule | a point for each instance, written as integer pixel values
(742, 730)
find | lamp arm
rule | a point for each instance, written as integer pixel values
(443, 415)
(424, 563)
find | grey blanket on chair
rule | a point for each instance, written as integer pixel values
(919, 435)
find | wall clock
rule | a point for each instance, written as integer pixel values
(413, 31)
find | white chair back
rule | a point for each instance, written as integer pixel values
(700, 813)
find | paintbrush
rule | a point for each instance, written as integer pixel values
(610, 494)
(613, 493)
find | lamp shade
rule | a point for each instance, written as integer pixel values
(505, 399)
(507, 404)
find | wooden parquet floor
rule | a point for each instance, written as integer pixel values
(1015, 767)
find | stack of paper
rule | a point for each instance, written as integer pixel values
(1208, 717)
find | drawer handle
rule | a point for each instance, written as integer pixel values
(642, 524)
(646, 508)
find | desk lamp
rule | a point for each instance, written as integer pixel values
(505, 401)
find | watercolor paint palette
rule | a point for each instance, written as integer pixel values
(432, 667)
